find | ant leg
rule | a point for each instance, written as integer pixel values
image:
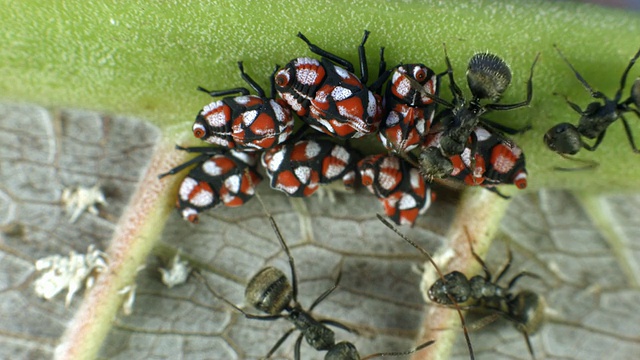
(574, 106)
(594, 94)
(280, 341)
(335, 58)
(338, 325)
(596, 144)
(522, 274)
(177, 169)
(507, 264)
(527, 101)
(506, 129)
(627, 129)
(383, 64)
(327, 292)
(254, 85)
(214, 93)
(587, 164)
(362, 56)
(200, 278)
(208, 150)
(497, 192)
(428, 256)
(292, 266)
(487, 273)
(623, 79)
(399, 353)
(383, 75)
(294, 277)
(272, 82)
(526, 338)
(296, 348)
(455, 89)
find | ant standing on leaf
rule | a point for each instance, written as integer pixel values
(271, 292)
(488, 77)
(525, 309)
(566, 139)
(452, 300)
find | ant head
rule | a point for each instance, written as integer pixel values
(488, 76)
(455, 286)
(527, 309)
(269, 291)
(563, 138)
(342, 351)
(635, 93)
(434, 164)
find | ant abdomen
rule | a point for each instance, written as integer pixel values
(488, 76)
(342, 351)
(527, 310)
(269, 291)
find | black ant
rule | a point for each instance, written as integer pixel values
(566, 139)
(452, 300)
(488, 76)
(525, 308)
(271, 292)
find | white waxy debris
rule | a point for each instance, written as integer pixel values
(80, 199)
(129, 292)
(176, 273)
(60, 272)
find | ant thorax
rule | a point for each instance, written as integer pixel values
(597, 118)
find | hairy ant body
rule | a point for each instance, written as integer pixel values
(271, 292)
(525, 308)
(452, 301)
(488, 76)
(566, 139)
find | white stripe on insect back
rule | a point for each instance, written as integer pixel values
(340, 93)
(481, 133)
(244, 157)
(244, 99)
(407, 202)
(187, 186)
(312, 149)
(278, 111)
(392, 119)
(276, 161)
(341, 153)
(211, 168)
(292, 101)
(415, 179)
(202, 198)
(214, 114)
(232, 183)
(303, 173)
(306, 76)
(343, 73)
(372, 106)
(248, 117)
(404, 86)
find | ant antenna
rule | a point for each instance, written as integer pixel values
(400, 353)
(440, 274)
(586, 164)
